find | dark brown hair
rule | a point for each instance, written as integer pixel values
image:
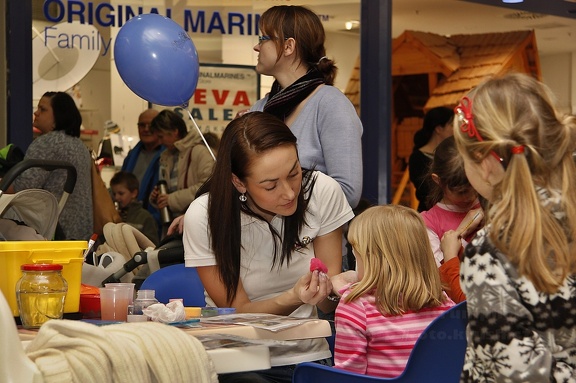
(293, 21)
(244, 140)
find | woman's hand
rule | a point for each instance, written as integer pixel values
(177, 226)
(313, 287)
(162, 201)
(153, 195)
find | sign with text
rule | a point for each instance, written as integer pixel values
(222, 91)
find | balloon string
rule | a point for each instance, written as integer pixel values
(201, 135)
(49, 49)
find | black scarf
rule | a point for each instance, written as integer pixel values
(282, 102)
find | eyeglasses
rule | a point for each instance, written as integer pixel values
(263, 38)
(465, 117)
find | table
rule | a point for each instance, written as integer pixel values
(244, 358)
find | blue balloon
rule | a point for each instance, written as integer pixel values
(157, 60)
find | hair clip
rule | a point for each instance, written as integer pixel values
(464, 114)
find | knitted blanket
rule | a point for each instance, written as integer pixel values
(75, 351)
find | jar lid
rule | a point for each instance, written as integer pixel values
(41, 267)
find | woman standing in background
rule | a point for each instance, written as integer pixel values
(291, 49)
(436, 127)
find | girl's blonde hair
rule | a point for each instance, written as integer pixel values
(515, 118)
(399, 266)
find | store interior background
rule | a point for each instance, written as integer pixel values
(105, 96)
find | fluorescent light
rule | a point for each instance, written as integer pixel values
(512, 1)
(351, 24)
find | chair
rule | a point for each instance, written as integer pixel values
(437, 356)
(176, 281)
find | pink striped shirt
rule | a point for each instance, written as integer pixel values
(370, 343)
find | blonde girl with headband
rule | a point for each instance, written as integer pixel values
(518, 273)
(397, 295)
(291, 49)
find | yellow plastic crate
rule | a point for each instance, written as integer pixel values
(69, 254)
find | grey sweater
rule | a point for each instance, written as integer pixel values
(76, 218)
(329, 135)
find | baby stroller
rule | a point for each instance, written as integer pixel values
(169, 252)
(127, 255)
(37, 209)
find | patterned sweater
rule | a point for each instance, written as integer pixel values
(515, 333)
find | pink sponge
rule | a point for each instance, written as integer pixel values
(317, 264)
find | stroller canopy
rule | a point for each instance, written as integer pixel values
(36, 208)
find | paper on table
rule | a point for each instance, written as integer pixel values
(269, 322)
(213, 341)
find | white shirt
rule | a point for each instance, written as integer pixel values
(327, 211)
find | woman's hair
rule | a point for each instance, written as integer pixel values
(448, 165)
(399, 269)
(517, 111)
(168, 120)
(67, 117)
(127, 179)
(243, 142)
(439, 116)
(282, 22)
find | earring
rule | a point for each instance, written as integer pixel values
(242, 197)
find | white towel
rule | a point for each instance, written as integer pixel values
(76, 351)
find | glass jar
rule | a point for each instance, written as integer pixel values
(41, 292)
(144, 298)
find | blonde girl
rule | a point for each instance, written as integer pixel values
(518, 272)
(397, 295)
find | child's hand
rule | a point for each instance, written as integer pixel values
(470, 223)
(450, 244)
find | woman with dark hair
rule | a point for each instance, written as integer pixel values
(59, 121)
(185, 164)
(436, 127)
(253, 234)
(291, 49)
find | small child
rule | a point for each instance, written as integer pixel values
(125, 187)
(398, 292)
(455, 211)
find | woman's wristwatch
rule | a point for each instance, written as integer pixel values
(333, 297)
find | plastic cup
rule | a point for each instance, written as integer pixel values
(114, 303)
(125, 285)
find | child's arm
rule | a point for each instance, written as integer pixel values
(450, 276)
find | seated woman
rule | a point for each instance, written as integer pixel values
(59, 120)
(185, 164)
(253, 234)
(455, 209)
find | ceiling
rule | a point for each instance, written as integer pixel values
(554, 21)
